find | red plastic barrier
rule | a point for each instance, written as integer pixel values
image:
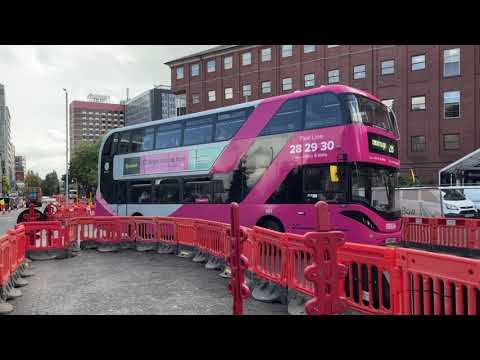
(170, 230)
(373, 282)
(325, 273)
(439, 284)
(453, 232)
(21, 242)
(237, 262)
(4, 260)
(270, 258)
(44, 235)
(299, 257)
(419, 230)
(145, 229)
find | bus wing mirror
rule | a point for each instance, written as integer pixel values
(334, 176)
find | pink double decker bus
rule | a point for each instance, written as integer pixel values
(276, 157)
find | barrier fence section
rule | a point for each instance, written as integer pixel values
(442, 232)
(376, 280)
(12, 266)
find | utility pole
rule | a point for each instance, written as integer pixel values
(66, 147)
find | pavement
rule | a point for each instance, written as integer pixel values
(129, 282)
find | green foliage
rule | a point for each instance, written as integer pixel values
(5, 185)
(33, 179)
(84, 165)
(51, 185)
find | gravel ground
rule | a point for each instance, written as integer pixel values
(129, 282)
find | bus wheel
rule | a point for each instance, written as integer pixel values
(137, 214)
(271, 223)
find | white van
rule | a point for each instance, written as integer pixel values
(435, 202)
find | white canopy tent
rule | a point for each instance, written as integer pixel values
(468, 162)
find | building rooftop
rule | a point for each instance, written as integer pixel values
(96, 106)
(205, 52)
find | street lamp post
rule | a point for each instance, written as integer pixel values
(66, 147)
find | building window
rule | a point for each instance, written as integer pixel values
(228, 93)
(227, 62)
(195, 99)
(211, 96)
(333, 76)
(359, 72)
(451, 104)
(388, 67)
(308, 49)
(211, 66)
(287, 50)
(451, 62)
(418, 62)
(246, 58)
(331, 46)
(247, 90)
(266, 54)
(287, 84)
(180, 73)
(266, 87)
(451, 141)
(418, 103)
(195, 69)
(418, 143)
(309, 80)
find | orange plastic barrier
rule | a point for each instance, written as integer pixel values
(373, 282)
(419, 230)
(169, 230)
(269, 258)
(442, 232)
(299, 257)
(44, 235)
(4, 260)
(439, 284)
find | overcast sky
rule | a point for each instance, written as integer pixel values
(35, 75)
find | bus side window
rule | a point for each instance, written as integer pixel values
(317, 185)
(199, 131)
(197, 191)
(114, 148)
(166, 191)
(137, 140)
(140, 192)
(322, 110)
(288, 118)
(290, 190)
(124, 143)
(228, 124)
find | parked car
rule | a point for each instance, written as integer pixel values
(434, 202)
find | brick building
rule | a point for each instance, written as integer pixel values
(434, 88)
(89, 120)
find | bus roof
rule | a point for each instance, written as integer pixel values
(337, 89)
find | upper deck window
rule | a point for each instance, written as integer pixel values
(288, 118)
(228, 124)
(369, 112)
(124, 142)
(198, 131)
(322, 110)
(168, 136)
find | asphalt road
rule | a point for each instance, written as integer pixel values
(129, 282)
(8, 220)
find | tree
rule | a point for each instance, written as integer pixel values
(84, 166)
(51, 185)
(5, 185)
(33, 179)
